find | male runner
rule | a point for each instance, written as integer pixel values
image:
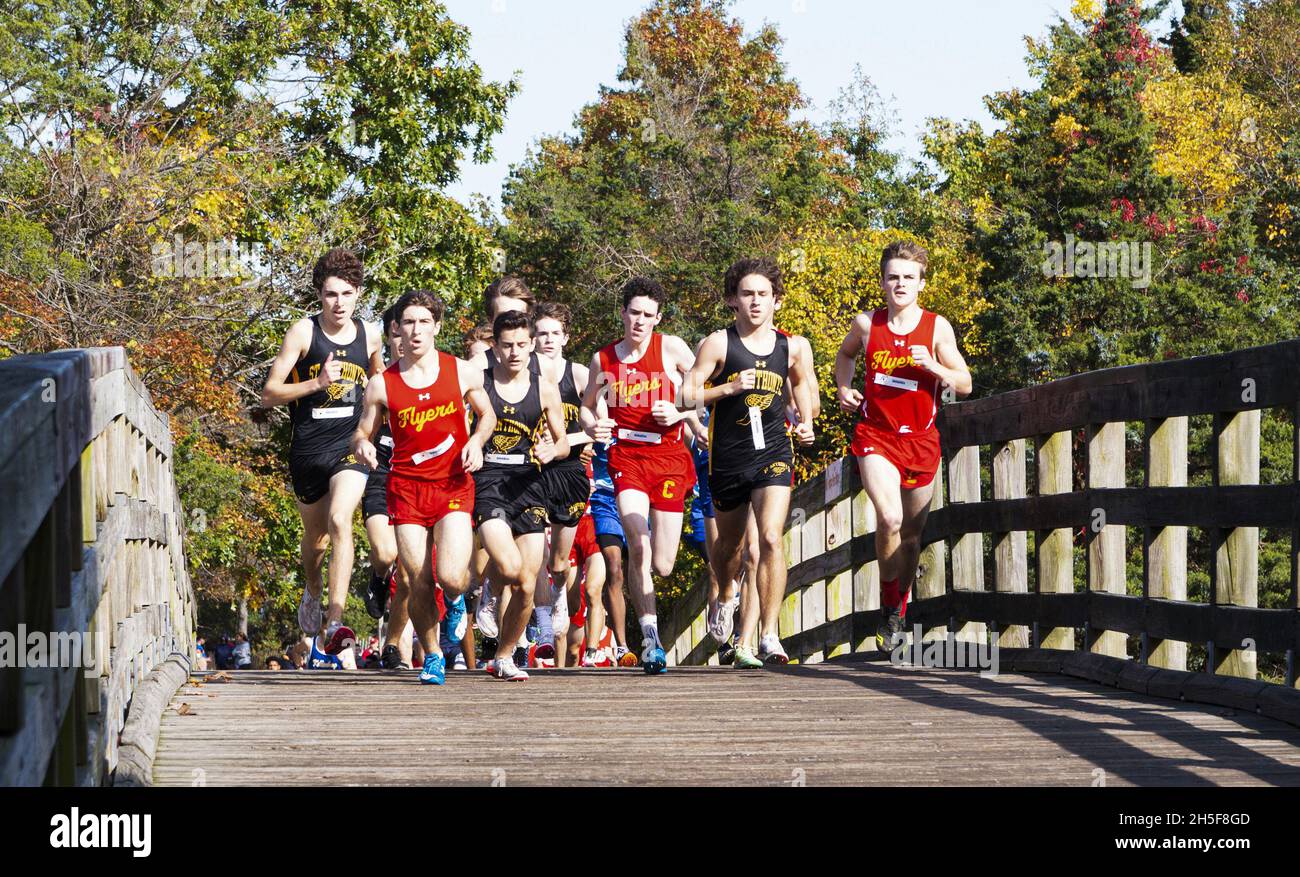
(651, 468)
(430, 488)
(613, 547)
(565, 481)
(742, 373)
(387, 576)
(909, 353)
(322, 364)
(510, 504)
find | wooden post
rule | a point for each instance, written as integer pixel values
(1106, 543)
(1055, 548)
(932, 574)
(1011, 555)
(968, 553)
(12, 612)
(1166, 567)
(1237, 558)
(866, 576)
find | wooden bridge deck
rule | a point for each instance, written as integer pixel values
(838, 723)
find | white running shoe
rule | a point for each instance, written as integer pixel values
(770, 650)
(309, 613)
(722, 619)
(486, 615)
(504, 668)
(459, 662)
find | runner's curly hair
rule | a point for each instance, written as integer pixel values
(340, 263)
(741, 269)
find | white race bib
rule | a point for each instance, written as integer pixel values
(506, 459)
(756, 427)
(443, 447)
(331, 413)
(897, 383)
(386, 440)
(637, 435)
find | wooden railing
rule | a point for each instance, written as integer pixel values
(833, 593)
(91, 552)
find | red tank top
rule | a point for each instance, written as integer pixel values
(899, 396)
(633, 390)
(428, 424)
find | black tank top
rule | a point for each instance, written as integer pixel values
(384, 448)
(734, 441)
(324, 421)
(511, 447)
(571, 402)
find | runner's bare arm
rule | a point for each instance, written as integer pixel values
(556, 447)
(595, 421)
(375, 345)
(373, 406)
(803, 350)
(580, 375)
(846, 359)
(803, 387)
(296, 343)
(708, 363)
(947, 362)
(476, 399)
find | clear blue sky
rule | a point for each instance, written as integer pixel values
(929, 57)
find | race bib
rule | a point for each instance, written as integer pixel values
(331, 413)
(386, 440)
(424, 456)
(756, 428)
(637, 435)
(897, 383)
(506, 459)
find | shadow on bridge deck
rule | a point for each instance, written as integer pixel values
(838, 723)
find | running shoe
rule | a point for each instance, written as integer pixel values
(727, 652)
(338, 636)
(459, 662)
(722, 619)
(770, 650)
(541, 655)
(653, 659)
(435, 670)
(625, 658)
(309, 613)
(318, 660)
(890, 630)
(744, 658)
(589, 658)
(454, 624)
(486, 616)
(391, 658)
(505, 668)
(377, 592)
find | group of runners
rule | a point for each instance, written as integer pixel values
(546, 484)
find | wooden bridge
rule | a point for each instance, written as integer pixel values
(1109, 677)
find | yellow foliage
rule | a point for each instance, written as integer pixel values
(1087, 11)
(832, 274)
(1208, 128)
(1065, 129)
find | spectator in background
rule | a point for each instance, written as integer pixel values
(201, 661)
(242, 653)
(274, 662)
(224, 651)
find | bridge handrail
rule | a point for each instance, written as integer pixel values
(832, 595)
(91, 546)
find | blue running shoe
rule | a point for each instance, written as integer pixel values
(435, 670)
(319, 660)
(453, 626)
(653, 660)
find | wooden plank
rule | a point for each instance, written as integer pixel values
(1011, 555)
(12, 611)
(968, 553)
(1054, 550)
(1166, 565)
(1237, 558)
(1106, 560)
(932, 571)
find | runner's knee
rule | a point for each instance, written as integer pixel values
(889, 521)
(339, 525)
